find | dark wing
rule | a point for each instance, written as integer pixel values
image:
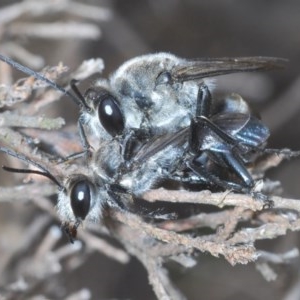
(210, 67)
(245, 128)
(157, 144)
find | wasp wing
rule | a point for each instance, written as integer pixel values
(210, 67)
(244, 128)
(157, 144)
(241, 128)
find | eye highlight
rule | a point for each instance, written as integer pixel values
(81, 199)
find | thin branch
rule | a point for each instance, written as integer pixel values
(204, 197)
(9, 119)
(219, 199)
(56, 30)
(234, 254)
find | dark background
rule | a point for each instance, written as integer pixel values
(192, 29)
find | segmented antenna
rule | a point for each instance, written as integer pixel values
(78, 100)
(22, 157)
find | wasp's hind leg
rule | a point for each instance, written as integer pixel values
(204, 101)
(86, 152)
(223, 162)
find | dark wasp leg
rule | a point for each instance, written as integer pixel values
(246, 186)
(227, 156)
(85, 144)
(203, 101)
(132, 141)
(83, 138)
(128, 146)
(202, 123)
(246, 180)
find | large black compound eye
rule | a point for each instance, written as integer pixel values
(81, 199)
(110, 115)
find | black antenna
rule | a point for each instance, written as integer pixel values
(22, 157)
(79, 94)
(79, 101)
(26, 171)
